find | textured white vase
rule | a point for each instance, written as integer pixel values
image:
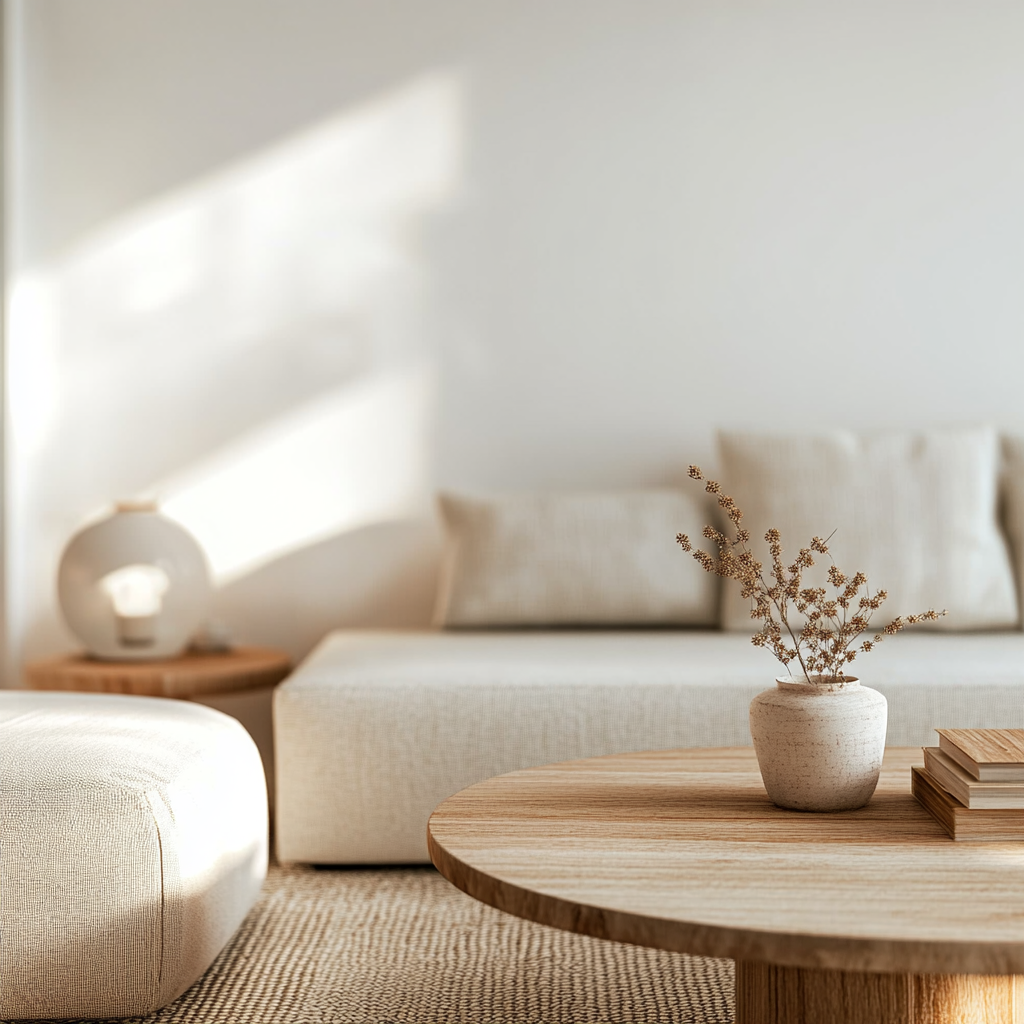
(134, 586)
(819, 747)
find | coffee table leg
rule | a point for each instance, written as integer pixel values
(769, 994)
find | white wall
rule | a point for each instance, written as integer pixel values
(290, 266)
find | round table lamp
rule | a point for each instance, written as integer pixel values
(134, 586)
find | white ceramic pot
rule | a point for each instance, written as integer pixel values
(819, 747)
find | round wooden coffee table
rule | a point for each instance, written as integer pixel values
(868, 917)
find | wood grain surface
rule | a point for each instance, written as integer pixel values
(683, 850)
(988, 746)
(966, 824)
(768, 994)
(969, 791)
(191, 675)
(990, 755)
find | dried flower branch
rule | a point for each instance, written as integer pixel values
(833, 620)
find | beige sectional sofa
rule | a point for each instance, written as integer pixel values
(376, 727)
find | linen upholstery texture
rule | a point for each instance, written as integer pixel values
(916, 512)
(133, 841)
(570, 558)
(376, 728)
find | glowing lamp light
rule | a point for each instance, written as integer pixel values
(136, 592)
(134, 586)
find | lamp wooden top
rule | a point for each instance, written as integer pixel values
(194, 674)
(683, 850)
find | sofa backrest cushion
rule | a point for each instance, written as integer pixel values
(916, 512)
(564, 558)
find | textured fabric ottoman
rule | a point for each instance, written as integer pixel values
(133, 841)
(375, 729)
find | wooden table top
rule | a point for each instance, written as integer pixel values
(193, 674)
(682, 850)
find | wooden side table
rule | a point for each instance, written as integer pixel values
(238, 682)
(192, 675)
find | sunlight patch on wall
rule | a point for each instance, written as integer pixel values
(298, 232)
(32, 377)
(353, 457)
(238, 297)
(272, 313)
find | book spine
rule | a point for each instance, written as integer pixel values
(924, 793)
(942, 776)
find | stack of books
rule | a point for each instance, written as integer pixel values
(972, 783)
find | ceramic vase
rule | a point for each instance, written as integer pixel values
(819, 746)
(134, 586)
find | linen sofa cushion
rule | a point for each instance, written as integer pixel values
(916, 512)
(573, 559)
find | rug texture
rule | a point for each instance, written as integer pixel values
(376, 946)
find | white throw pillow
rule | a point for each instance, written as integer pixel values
(561, 559)
(916, 512)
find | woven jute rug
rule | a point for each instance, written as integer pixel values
(390, 946)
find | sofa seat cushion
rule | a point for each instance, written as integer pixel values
(375, 728)
(134, 839)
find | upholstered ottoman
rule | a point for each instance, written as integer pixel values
(133, 841)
